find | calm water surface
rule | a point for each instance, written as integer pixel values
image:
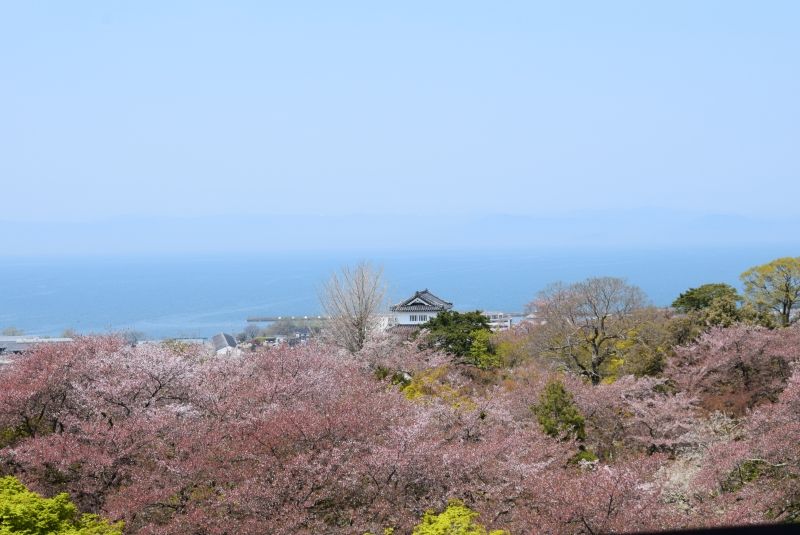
(203, 295)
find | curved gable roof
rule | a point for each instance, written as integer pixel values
(422, 301)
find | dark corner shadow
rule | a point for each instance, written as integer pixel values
(769, 529)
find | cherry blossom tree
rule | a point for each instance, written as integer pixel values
(754, 478)
(736, 368)
(175, 440)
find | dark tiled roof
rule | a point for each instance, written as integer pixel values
(418, 308)
(422, 301)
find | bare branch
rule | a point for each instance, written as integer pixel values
(352, 300)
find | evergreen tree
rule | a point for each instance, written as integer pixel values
(463, 334)
(557, 413)
(703, 296)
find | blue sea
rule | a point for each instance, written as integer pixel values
(198, 296)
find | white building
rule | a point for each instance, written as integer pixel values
(417, 309)
(498, 321)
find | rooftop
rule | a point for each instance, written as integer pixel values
(223, 341)
(422, 301)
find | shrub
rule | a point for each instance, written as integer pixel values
(23, 511)
(457, 519)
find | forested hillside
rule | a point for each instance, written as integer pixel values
(676, 419)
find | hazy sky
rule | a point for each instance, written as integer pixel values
(193, 109)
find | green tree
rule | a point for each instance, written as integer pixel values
(582, 324)
(722, 311)
(25, 512)
(774, 286)
(702, 297)
(646, 348)
(457, 519)
(456, 332)
(557, 413)
(482, 352)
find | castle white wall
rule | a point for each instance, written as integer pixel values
(413, 318)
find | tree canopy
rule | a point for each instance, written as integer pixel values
(557, 413)
(352, 299)
(25, 512)
(583, 322)
(457, 519)
(774, 286)
(463, 334)
(717, 305)
(303, 440)
(702, 296)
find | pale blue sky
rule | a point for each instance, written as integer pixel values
(152, 110)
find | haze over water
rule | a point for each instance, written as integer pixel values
(200, 295)
(175, 167)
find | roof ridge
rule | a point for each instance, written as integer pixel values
(430, 302)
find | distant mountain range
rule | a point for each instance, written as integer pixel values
(411, 231)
